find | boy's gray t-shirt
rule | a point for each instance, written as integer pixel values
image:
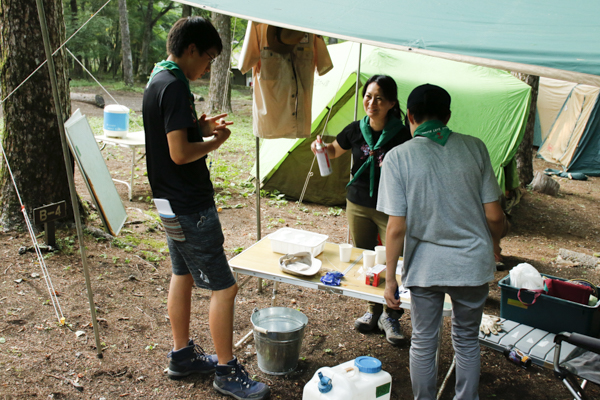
(441, 191)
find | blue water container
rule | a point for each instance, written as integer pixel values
(116, 121)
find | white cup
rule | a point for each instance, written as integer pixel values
(380, 255)
(368, 259)
(345, 252)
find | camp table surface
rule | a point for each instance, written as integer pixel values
(132, 141)
(260, 261)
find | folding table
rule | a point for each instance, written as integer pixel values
(132, 141)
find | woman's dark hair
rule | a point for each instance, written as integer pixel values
(196, 30)
(390, 92)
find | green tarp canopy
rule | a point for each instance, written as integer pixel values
(486, 103)
(552, 38)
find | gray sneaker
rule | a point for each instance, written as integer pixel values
(367, 322)
(391, 327)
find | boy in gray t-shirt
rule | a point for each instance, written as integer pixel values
(441, 196)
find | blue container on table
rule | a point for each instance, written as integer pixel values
(116, 121)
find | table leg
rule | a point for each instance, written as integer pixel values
(132, 172)
(274, 294)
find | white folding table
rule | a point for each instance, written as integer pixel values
(132, 141)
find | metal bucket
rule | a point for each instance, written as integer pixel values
(278, 333)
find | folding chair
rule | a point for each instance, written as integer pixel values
(572, 356)
(581, 363)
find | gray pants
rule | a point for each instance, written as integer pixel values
(426, 315)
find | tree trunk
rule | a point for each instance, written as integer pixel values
(77, 69)
(186, 11)
(146, 38)
(524, 156)
(219, 97)
(144, 68)
(332, 40)
(125, 44)
(31, 136)
(89, 98)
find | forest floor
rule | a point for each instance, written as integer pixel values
(130, 280)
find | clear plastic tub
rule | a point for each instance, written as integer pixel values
(288, 240)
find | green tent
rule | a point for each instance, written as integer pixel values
(571, 138)
(487, 103)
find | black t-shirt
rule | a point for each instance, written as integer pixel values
(166, 108)
(351, 138)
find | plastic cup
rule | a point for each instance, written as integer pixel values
(345, 252)
(380, 255)
(368, 259)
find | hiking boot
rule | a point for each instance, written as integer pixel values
(190, 360)
(391, 327)
(233, 380)
(367, 322)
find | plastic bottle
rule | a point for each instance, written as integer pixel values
(517, 357)
(323, 158)
(359, 379)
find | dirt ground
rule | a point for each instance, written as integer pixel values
(130, 280)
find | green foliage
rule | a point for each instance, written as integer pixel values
(334, 211)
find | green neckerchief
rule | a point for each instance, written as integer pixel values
(434, 130)
(172, 67)
(391, 129)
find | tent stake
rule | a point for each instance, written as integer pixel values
(69, 169)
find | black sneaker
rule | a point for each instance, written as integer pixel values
(233, 380)
(190, 360)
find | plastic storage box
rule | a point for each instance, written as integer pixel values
(288, 240)
(548, 313)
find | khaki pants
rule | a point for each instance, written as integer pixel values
(365, 223)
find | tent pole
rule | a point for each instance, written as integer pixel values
(258, 235)
(356, 92)
(69, 169)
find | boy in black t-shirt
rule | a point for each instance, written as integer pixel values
(177, 171)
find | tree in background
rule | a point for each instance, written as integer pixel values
(524, 154)
(186, 11)
(150, 20)
(31, 138)
(125, 44)
(219, 98)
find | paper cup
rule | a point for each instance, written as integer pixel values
(345, 252)
(368, 259)
(380, 255)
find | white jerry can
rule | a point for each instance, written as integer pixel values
(359, 379)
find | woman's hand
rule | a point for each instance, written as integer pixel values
(210, 126)
(313, 145)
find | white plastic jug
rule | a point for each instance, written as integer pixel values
(359, 379)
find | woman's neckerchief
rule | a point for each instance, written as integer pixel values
(435, 130)
(391, 129)
(174, 69)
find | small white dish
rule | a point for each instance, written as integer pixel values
(299, 269)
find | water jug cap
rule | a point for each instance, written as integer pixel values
(368, 365)
(324, 383)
